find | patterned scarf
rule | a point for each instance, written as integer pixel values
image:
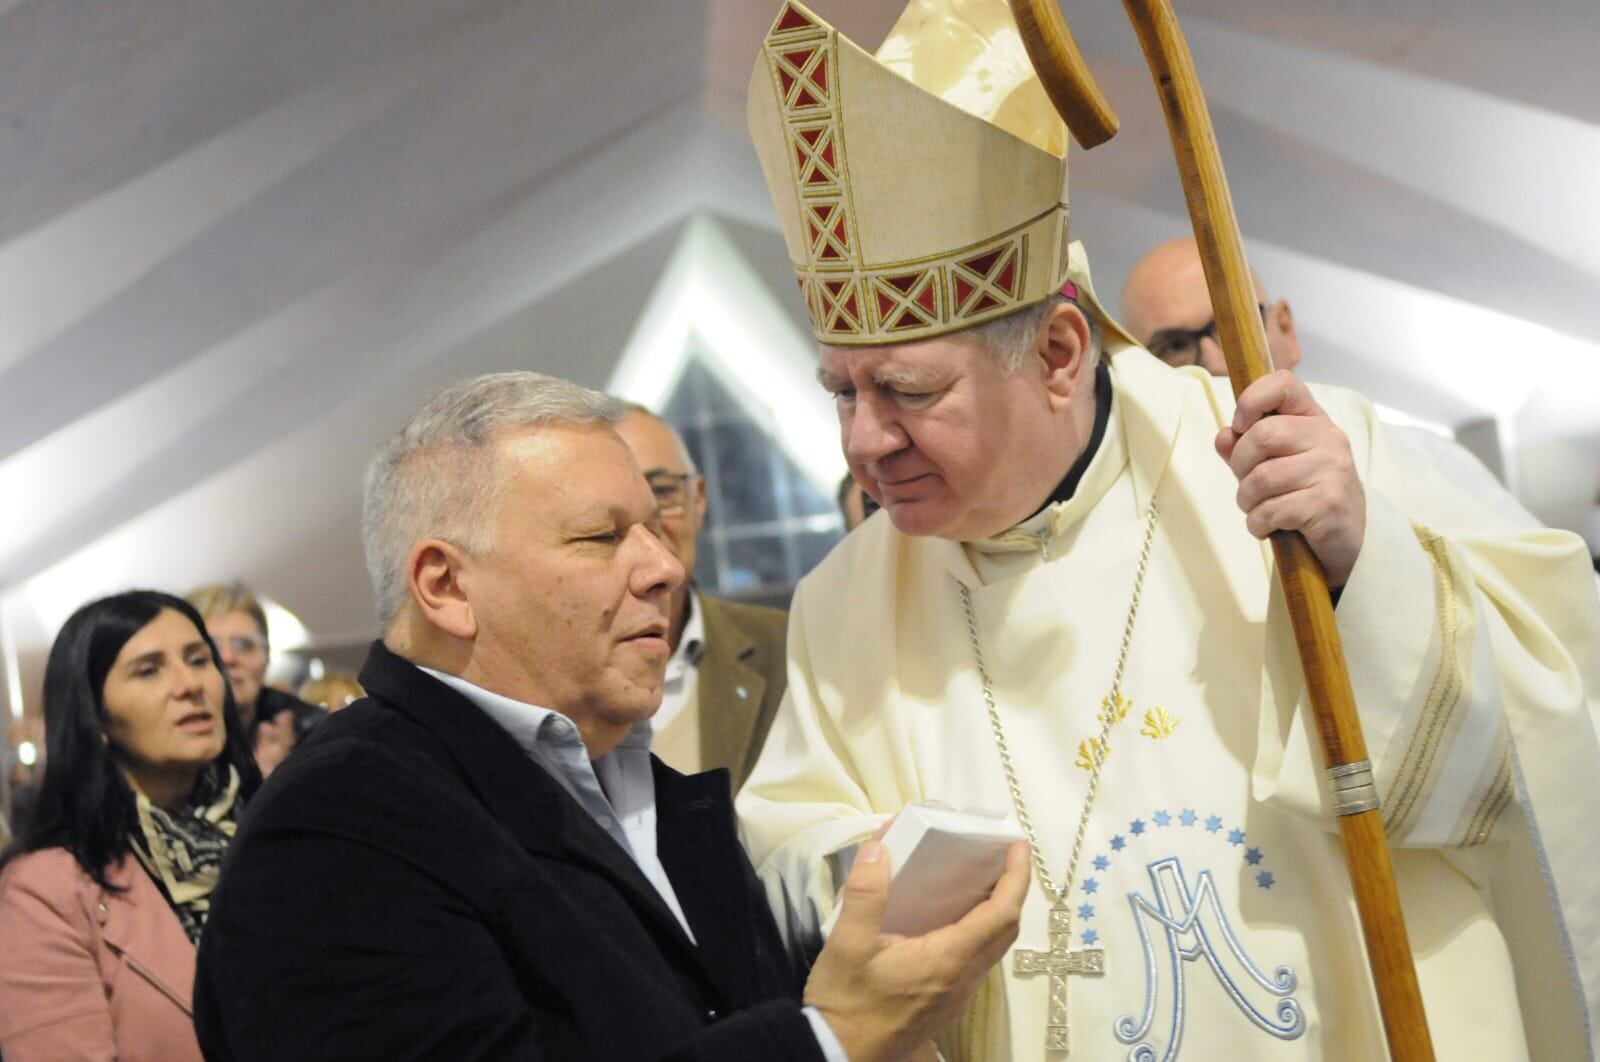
(183, 850)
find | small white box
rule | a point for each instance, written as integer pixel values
(942, 864)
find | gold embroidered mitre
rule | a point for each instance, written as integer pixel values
(921, 191)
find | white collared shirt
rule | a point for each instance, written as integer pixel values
(683, 670)
(675, 727)
(618, 790)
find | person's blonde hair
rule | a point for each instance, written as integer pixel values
(220, 599)
(332, 691)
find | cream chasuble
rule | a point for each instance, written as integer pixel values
(1212, 878)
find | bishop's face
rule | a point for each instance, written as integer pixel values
(939, 436)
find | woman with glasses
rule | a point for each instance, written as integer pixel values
(274, 720)
(103, 898)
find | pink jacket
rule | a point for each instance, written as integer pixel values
(91, 974)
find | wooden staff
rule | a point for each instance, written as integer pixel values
(1244, 343)
(1066, 80)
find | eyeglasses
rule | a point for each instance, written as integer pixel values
(671, 490)
(244, 644)
(1181, 346)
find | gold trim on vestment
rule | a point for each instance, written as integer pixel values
(1496, 799)
(1438, 716)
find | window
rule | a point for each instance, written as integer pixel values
(766, 523)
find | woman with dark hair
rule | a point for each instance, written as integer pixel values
(103, 897)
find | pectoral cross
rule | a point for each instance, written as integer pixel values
(1059, 962)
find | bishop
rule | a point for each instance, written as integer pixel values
(1066, 610)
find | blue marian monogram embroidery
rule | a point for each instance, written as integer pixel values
(1190, 921)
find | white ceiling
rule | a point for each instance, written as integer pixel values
(240, 241)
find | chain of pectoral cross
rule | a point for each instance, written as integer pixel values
(1059, 961)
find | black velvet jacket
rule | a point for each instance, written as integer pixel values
(411, 885)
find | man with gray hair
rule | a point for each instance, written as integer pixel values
(483, 859)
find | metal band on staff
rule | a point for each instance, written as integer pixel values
(1353, 788)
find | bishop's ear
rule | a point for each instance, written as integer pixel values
(1066, 349)
(434, 576)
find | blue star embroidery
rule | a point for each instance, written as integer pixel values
(1118, 844)
(1101, 862)
(1162, 818)
(1252, 856)
(1187, 816)
(1236, 837)
(1214, 823)
(1090, 937)
(1265, 879)
(1086, 911)
(1136, 827)
(1091, 886)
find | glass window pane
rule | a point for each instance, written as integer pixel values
(813, 546)
(719, 402)
(742, 463)
(694, 442)
(806, 500)
(767, 523)
(681, 409)
(756, 562)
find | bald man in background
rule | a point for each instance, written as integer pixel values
(1167, 307)
(726, 674)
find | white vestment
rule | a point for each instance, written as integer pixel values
(1212, 873)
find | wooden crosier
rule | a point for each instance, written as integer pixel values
(1244, 344)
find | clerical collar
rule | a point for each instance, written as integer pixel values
(1104, 457)
(1102, 416)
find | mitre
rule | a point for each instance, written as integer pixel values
(922, 190)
